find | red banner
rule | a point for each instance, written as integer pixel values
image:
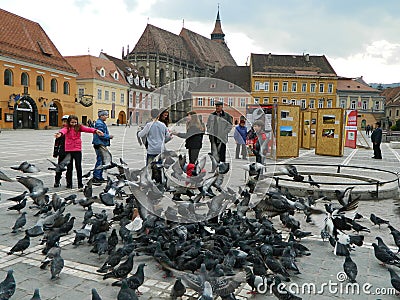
(351, 129)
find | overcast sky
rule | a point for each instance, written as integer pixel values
(359, 37)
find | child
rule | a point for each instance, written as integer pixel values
(59, 151)
(240, 139)
(73, 146)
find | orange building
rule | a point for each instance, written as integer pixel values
(37, 85)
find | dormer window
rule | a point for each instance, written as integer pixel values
(143, 82)
(115, 75)
(102, 72)
(148, 83)
(137, 80)
(130, 78)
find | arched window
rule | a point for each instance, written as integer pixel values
(54, 86)
(24, 79)
(66, 88)
(8, 77)
(162, 77)
(40, 83)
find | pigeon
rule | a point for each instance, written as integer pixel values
(178, 289)
(291, 171)
(385, 257)
(36, 295)
(21, 245)
(18, 198)
(394, 279)
(312, 182)
(122, 270)
(7, 286)
(396, 236)
(62, 166)
(207, 293)
(136, 280)
(19, 223)
(126, 293)
(35, 187)
(377, 220)
(344, 197)
(49, 256)
(26, 167)
(106, 157)
(358, 227)
(350, 268)
(19, 206)
(4, 177)
(56, 266)
(95, 295)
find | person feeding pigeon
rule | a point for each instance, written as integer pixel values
(59, 151)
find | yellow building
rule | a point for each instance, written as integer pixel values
(100, 86)
(304, 80)
(37, 84)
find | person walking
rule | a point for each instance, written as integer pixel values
(194, 136)
(73, 146)
(260, 148)
(376, 138)
(156, 134)
(240, 136)
(59, 151)
(104, 140)
(219, 124)
(367, 129)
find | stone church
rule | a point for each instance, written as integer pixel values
(165, 57)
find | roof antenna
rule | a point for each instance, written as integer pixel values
(148, 20)
(183, 23)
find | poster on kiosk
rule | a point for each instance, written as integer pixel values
(351, 129)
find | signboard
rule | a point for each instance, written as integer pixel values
(351, 129)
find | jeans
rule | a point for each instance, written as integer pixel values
(218, 149)
(98, 174)
(77, 157)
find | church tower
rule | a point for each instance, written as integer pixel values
(217, 34)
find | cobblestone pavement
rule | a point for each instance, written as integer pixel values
(79, 274)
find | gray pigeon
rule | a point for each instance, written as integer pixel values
(34, 185)
(4, 177)
(19, 223)
(62, 166)
(350, 268)
(178, 289)
(26, 167)
(126, 293)
(18, 198)
(36, 295)
(7, 286)
(20, 246)
(57, 264)
(95, 295)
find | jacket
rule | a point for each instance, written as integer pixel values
(376, 136)
(219, 126)
(193, 136)
(59, 147)
(73, 141)
(156, 135)
(101, 140)
(240, 134)
(261, 146)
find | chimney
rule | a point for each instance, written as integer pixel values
(123, 52)
(269, 55)
(307, 57)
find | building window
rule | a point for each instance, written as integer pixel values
(266, 86)
(343, 103)
(113, 97)
(353, 104)
(390, 113)
(329, 104)
(122, 98)
(266, 100)
(212, 101)
(312, 103)
(294, 86)
(276, 86)
(221, 99)
(284, 101)
(66, 88)
(230, 101)
(321, 87)
(320, 103)
(8, 77)
(304, 87)
(200, 101)
(330, 88)
(303, 103)
(99, 94)
(284, 87)
(364, 105)
(275, 100)
(24, 79)
(293, 101)
(377, 105)
(106, 95)
(81, 92)
(257, 85)
(242, 102)
(312, 88)
(39, 83)
(231, 86)
(256, 100)
(397, 112)
(53, 85)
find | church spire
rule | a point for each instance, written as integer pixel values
(217, 34)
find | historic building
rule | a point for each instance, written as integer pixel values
(99, 86)
(392, 106)
(165, 57)
(140, 95)
(356, 94)
(37, 84)
(305, 80)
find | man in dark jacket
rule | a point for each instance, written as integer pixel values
(376, 138)
(219, 124)
(59, 151)
(101, 125)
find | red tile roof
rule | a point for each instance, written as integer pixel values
(392, 96)
(88, 67)
(346, 84)
(26, 41)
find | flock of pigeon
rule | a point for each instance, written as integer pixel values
(213, 240)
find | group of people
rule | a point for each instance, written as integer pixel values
(155, 135)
